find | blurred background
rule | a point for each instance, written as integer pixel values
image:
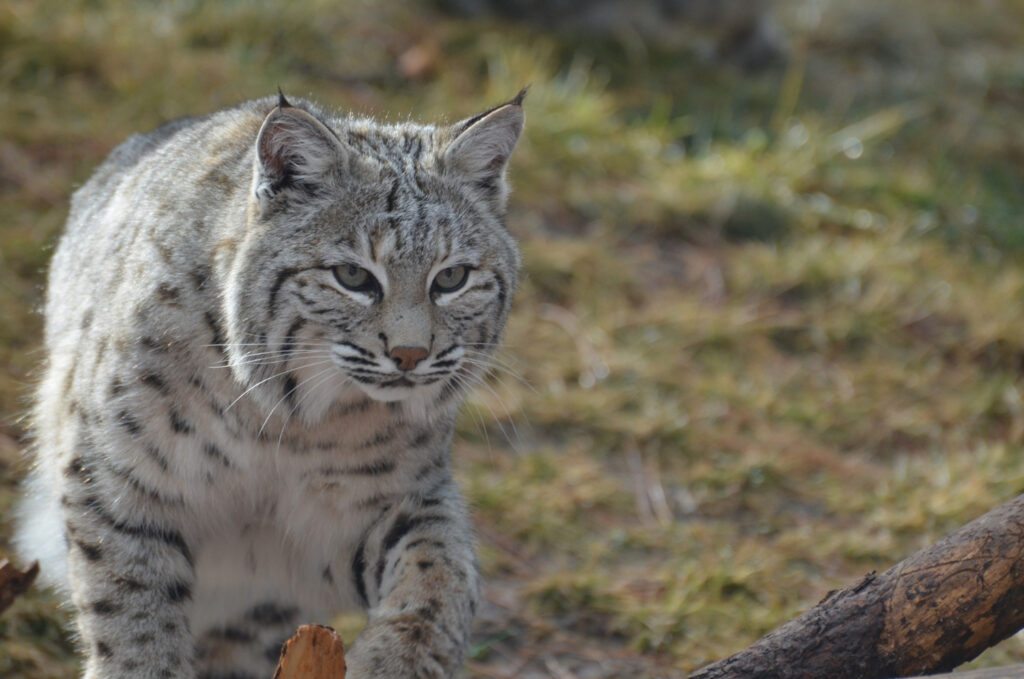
(770, 335)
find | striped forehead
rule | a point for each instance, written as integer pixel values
(415, 219)
(403, 236)
(398, 147)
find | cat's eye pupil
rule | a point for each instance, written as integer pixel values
(451, 279)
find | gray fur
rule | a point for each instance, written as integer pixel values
(226, 446)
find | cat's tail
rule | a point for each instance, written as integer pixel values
(39, 535)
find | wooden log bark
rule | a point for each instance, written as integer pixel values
(14, 583)
(937, 609)
(314, 652)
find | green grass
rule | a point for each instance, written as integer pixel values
(769, 336)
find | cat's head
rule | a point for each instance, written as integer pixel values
(375, 258)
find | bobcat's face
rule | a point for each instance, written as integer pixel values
(413, 301)
(389, 270)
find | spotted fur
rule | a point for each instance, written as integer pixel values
(227, 444)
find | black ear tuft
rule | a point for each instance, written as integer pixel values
(518, 99)
(284, 103)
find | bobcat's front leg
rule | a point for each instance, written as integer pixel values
(131, 575)
(418, 573)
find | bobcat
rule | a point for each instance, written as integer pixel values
(259, 327)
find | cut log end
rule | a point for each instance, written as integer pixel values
(314, 652)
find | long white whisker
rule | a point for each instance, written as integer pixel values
(517, 443)
(283, 372)
(265, 344)
(263, 381)
(324, 375)
(283, 352)
(492, 358)
(286, 395)
(246, 358)
(478, 420)
(271, 361)
(489, 368)
(468, 383)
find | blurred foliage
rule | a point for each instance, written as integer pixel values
(769, 333)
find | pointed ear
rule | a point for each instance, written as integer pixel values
(294, 150)
(482, 146)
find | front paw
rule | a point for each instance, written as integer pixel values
(403, 647)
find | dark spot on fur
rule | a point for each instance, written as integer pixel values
(215, 327)
(76, 468)
(179, 424)
(421, 439)
(402, 526)
(272, 614)
(289, 337)
(91, 552)
(200, 275)
(156, 382)
(168, 294)
(290, 385)
(129, 584)
(158, 457)
(153, 344)
(378, 439)
(236, 635)
(279, 280)
(215, 453)
(127, 420)
(116, 387)
(358, 570)
(178, 591)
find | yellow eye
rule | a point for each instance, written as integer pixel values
(355, 278)
(451, 279)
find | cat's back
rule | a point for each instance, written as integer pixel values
(153, 209)
(169, 161)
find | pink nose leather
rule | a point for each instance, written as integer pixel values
(408, 358)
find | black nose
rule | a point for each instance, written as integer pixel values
(407, 358)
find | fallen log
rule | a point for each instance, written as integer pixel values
(314, 652)
(931, 612)
(14, 583)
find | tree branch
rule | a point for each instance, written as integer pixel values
(937, 609)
